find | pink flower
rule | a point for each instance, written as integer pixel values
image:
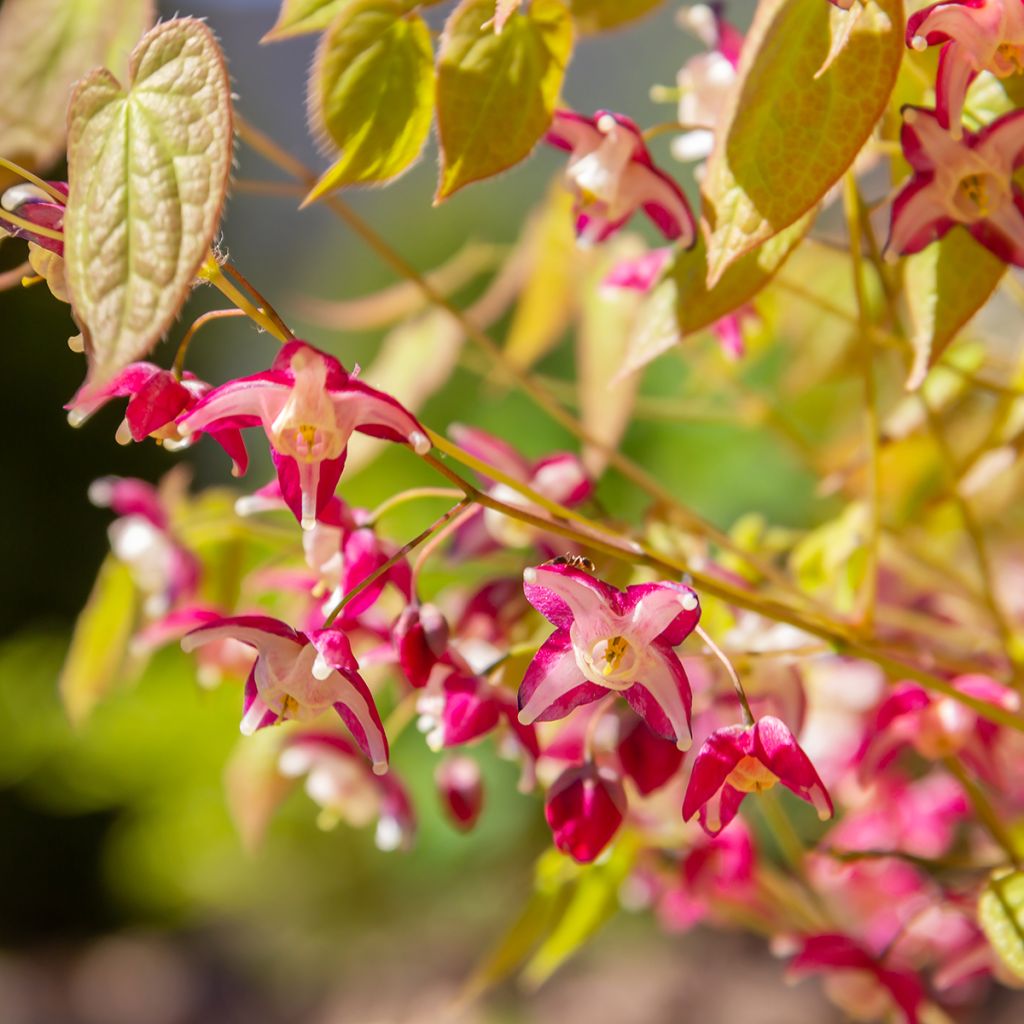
(639, 273)
(705, 82)
(31, 203)
(612, 176)
(742, 759)
(966, 181)
(420, 637)
(461, 791)
(338, 780)
(610, 640)
(299, 676)
(645, 757)
(156, 398)
(857, 982)
(975, 35)
(309, 406)
(584, 809)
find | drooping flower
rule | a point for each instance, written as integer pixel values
(646, 758)
(308, 406)
(337, 779)
(31, 203)
(705, 81)
(975, 35)
(299, 676)
(966, 181)
(156, 398)
(420, 637)
(857, 982)
(584, 809)
(612, 175)
(742, 759)
(461, 790)
(610, 640)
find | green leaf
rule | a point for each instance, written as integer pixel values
(1001, 916)
(684, 303)
(300, 17)
(496, 93)
(945, 285)
(148, 169)
(100, 642)
(600, 15)
(45, 45)
(371, 93)
(767, 170)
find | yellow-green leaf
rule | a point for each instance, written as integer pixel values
(303, 17)
(789, 136)
(600, 15)
(45, 45)
(371, 93)
(100, 641)
(945, 285)
(1001, 916)
(148, 168)
(496, 92)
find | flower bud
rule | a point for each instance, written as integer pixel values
(461, 790)
(584, 809)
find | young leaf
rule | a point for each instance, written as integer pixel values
(767, 170)
(496, 92)
(1001, 916)
(148, 169)
(100, 641)
(45, 45)
(371, 93)
(599, 15)
(684, 303)
(301, 17)
(945, 284)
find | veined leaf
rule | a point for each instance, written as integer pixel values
(100, 641)
(599, 15)
(767, 170)
(945, 285)
(148, 169)
(45, 45)
(371, 93)
(496, 92)
(1001, 916)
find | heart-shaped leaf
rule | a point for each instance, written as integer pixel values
(45, 45)
(790, 133)
(148, 168)
(496, 92)
(371, 93)
(945, 285)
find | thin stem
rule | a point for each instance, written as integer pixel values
(14, 276)
(262, 144)
(741, 696)
(984, 810)
(211, 271)
(790, 844)
(869, 593)
(437, 540)
(240, 279)
(590, 733)
(55, 194)
(288, 189)
(413, 494)
(200, 321)
(394, 560)
(27, 225)
(666, 128)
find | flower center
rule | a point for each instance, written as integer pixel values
(974, 196)
(611, 662)
(306, 428)
(597, 175)
(1008, 60)
(751, 776)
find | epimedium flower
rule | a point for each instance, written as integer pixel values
(608, 640)
(612, 175)
(584, 809)
(975, 35)
(156, 398)
(308, 405)
(31, 203)
(299, 676)
(461, 789)
(966, 181)
(742, 759)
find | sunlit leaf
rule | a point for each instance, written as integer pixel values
(253, 786)
(945, 285)
(496, 92)
(371, 93)
(599, 15)
(768, 170)
(45, 45)
(1001, 916)
(550, 296)
(148, 169)
(100, 641)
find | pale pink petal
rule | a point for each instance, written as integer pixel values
(553, 684)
